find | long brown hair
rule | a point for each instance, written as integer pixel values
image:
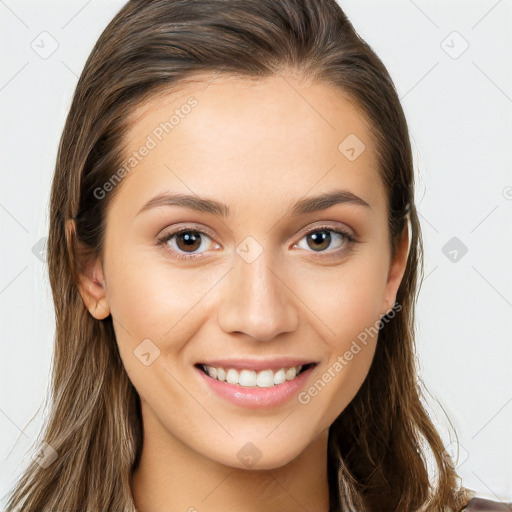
(380, 445)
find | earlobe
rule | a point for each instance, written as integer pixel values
(91, 280)
(92, 290)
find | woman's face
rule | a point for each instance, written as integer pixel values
(273, 280)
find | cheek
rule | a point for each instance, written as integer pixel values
(150, 299)
(336, 386)
(346, 299)
(154, 317)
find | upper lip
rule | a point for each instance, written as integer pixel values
(274, 363)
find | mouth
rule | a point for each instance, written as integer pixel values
(255, 384)
(243, 377)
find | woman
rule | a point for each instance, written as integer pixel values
(234, 253)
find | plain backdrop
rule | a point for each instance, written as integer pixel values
(450, 62)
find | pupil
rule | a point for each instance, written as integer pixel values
(189, 239)
(322, 238)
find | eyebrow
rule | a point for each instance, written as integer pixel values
(301, 207)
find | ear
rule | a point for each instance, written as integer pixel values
(91, 279)
(398, 266)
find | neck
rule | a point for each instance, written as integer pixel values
(172, 477)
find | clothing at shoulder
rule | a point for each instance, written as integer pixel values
(485, 505)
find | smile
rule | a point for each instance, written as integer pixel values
(250, 378)
(255, 388)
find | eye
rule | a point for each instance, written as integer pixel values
(321, 238)
(184, 242)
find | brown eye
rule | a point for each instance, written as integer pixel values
(184, 243)
(188, 241)
(320, 239)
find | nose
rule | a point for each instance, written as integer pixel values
(257, 300)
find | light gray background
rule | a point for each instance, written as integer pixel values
(458, 103)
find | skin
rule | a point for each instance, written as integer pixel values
(258, 147)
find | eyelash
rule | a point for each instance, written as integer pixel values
(350, 240)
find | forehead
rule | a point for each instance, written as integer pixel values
(229, 136)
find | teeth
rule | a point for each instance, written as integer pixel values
(249, 378)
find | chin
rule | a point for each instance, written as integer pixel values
(264, 455)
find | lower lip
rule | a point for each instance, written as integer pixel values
(254, 397)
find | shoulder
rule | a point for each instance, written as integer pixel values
(485, 505)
